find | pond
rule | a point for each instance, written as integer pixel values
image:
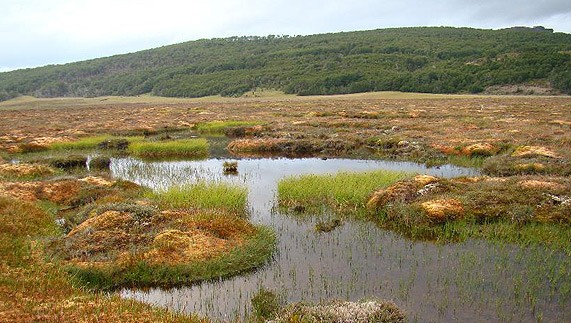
(468, 281)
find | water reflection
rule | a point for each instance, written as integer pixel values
(468, 281)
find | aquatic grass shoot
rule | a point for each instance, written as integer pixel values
(192, 148)
(345, 190)
(204, 196)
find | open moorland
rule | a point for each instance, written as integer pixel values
(68, 232)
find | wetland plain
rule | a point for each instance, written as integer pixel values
(452, 208)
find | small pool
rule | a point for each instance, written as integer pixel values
(469, 281)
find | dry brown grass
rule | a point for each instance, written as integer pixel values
(32, 290)
(443, 209)
(456, 121)
(24, 170)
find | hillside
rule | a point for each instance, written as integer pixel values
(423, 59)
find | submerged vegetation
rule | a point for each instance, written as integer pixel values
(525, 210)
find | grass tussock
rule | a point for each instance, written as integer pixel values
(190, 148)
(96, 142)
(33, 290)
(221, 127)
(341, 191)
(204, 196)
(519, 209)
(81, 144)
(143, 271)
(523, 209)
(180, 236)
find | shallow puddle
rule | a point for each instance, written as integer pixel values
(470, 281)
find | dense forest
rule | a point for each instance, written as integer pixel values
(423, 59)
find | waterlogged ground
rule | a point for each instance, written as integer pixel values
(469, 281)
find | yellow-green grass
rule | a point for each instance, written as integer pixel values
(218, 127)
(191, 148)
(343, 190)
(90, 142)
(205, 196)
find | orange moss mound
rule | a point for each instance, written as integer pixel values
(175, 246)
(401, 191)
(126, 234)
(104, 221)
(530, 167)
(443, 209)
(257, 145)
(537, 184)
(21, 170)
(97, 181)
(532, 151)
(481, 149)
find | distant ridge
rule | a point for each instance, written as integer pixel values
(416, 59)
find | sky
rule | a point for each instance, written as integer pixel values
(43, 32)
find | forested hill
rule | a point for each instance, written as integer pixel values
(424, 59)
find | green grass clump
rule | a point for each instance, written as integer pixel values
(254, 252)
(219, 127)
(194, 148)
(204, 196)
(81, 144)
(91, 142)
(342, 190)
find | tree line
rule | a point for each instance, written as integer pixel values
(420, 59)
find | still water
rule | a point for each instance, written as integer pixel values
(470, 281)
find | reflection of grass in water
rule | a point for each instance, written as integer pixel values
(204, 196)
(342, 190)
(195, 148)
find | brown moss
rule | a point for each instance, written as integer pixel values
(257, 145)
(104, 221)
(401, 191)
(530, 168)
(97, 181)
(61, 192)
(175, 246)
(480, 149)
(18, 190)
(25, 170)
(540, 184)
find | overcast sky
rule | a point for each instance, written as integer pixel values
(41, 32)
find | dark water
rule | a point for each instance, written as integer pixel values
(471, 281)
